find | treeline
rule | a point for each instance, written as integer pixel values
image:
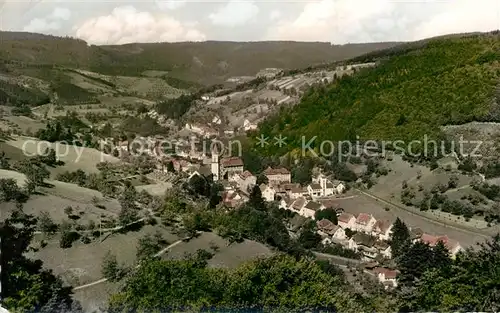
(16, 95)
(408, 96)
(177, 107)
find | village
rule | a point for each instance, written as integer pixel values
(363, 233)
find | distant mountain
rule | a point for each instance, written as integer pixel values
(205, 62)
(415, 89)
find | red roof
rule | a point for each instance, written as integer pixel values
(232, 162)
(276, 171)
(345, 217)
(389, 274)
(363, 218)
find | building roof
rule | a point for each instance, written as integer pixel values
(329, 185)
(382, 226)
(299, 203)
(245, 175)
(298, 190)
(315, 186)
(313, 205)
(416, 233)
(289, 186)
(232, 162)
(364, 239)
(276, 171)
(388, 273)
(327, 226)
(345, 217)
(433, 240)
(363, 218)
(297, 221)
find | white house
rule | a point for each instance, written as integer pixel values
(315, 190)
(386, 276)
(297, 192)
(268, 192)
(382, 229)
(334, 231)
(310, 209)
(298, 204)
(346, 220)
(365, 223)
(245, 180)
(453, 246)
(216, 120)
(247, 125)
(339, 188)
(278, 176)
(384, 249)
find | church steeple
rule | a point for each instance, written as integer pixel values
(215, 166)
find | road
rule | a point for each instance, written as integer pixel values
(464, 230)
(100, 281)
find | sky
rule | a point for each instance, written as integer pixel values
(335, 21)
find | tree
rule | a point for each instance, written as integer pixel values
(262, 179)
(255, 200)
(45, 224)
(400, 238)
(110, 268)
(68, 211)
(68, 235)
(329, 214)
(453, 182)
(170, 167)
(26, 285)
(149, 246)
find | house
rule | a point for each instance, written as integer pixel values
(386, 276)
(268, 192)
(298, 204)
(231, 166)
(229, 185)
(278, 176)
(232, 199)
(248, 126)
(315, 190)
(326, 186)
(346, 220)
(384, 249)
(365, 244)
(416, 234)
(453, 246)
(216, 120)
(285, 203)
(364, 223)
(327, 227)
(310, 209)
(245, 180)
(296, 223)
(382, 229)
(298, 192)
(339, 187)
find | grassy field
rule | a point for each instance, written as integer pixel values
(81, 264)
(58, 196)
(227, 255)
(74, 157)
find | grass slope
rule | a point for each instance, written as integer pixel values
(410, 94)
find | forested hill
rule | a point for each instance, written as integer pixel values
(204, 62)
(414, 90)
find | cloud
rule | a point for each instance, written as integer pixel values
(126, 25)
(50, 23)
(274, 15)
(343, 21)
(166, 5)
(462, 16)
(234, 13)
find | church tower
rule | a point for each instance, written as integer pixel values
(215, 166)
